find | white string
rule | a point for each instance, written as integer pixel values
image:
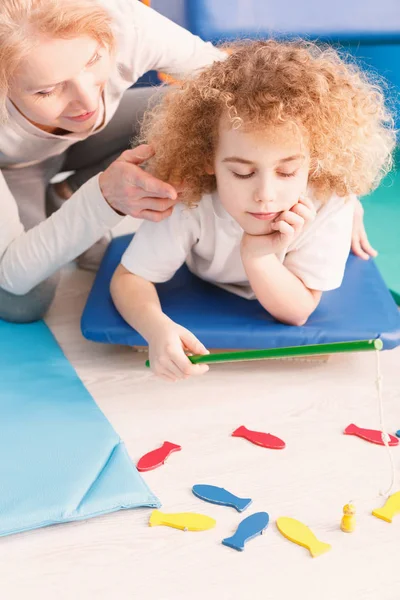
(385, 436)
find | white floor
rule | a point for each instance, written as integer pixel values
(119, 557)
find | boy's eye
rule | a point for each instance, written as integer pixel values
(243, 176)
(287, 174)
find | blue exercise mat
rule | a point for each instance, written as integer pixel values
(60, 459)
(226, 19)
(367, 29)
(361, 309)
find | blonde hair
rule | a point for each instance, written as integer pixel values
(24, 23)
(349, 130)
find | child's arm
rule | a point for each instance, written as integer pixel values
(281, 292)
(291, 291)
(360, 245)
(137, 301)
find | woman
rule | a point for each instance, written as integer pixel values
(65, 105)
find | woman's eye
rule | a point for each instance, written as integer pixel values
(95, 59)
(243, 176)
(46, 94)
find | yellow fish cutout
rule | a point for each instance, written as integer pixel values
(300, 534)
(390, 508)
(184, 521)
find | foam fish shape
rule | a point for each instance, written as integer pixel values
(266, 440)
(371, 435)
(298, 533)
(185, 521)
(390, 509)
(218, 495)
(248, 529)
(157, 457)
(398, 433)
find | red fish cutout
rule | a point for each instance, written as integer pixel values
(157, 457)
(266, 440)
(371, 435)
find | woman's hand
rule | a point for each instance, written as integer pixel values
(167, 356)
(131, 191)
(285, 229)
(360, 245)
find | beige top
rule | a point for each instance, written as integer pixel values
(145, 40)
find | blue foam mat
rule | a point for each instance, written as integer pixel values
(370, 31)
(60, 459)
(224, 19)
(361, 309)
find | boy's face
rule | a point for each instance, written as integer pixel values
(259, 175)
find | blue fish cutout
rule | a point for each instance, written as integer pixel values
(218, 495)
(248, 529)
(398, 433)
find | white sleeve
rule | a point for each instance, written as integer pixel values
(319, 258)
(27, 258)
(151, 41)
(158, 250)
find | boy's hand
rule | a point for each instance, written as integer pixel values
(167, 352)
(285, 229)
(360, 245)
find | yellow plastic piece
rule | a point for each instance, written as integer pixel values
(300, 534)
(348, 523)
(184, 521)
(390, 509)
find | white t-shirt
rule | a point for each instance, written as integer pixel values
(145, 40)
(208, 239)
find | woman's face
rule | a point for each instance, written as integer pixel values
(59, 85)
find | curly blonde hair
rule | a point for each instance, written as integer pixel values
(349, 130)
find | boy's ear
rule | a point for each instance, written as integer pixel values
(209, 169)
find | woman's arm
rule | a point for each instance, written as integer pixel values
(27, 258)
(151, 41)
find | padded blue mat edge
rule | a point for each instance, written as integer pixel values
(60, 458)
(362, 308)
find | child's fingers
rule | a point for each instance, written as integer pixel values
(175, 362)
(167, 379)
(194, 346)
(163, 367)
(307, 202)
(357, 250)
(283, 228)
(292, 219)
(360, 245)
(306, 213)
(192, 343)
(366, 246)
(185, 368)
(199, 369)
(164, 364)
(179, 363)
(166, 376)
